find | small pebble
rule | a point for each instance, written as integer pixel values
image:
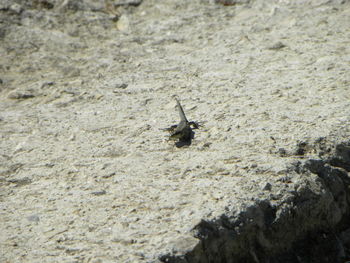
(16, 8)
(121, 86)
(103, 192)
(17, 95)
(276, 46)
(20, 181)
(267, 187)
(33, 218)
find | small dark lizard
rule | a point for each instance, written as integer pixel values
(182, 131)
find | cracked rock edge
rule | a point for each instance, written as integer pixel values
(311, 226)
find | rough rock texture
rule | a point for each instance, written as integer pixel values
(311, 226)
(87, 174)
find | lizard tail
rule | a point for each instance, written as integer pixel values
(181, 111)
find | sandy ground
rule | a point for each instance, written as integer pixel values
(87, 174)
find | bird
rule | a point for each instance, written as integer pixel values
(183, 130)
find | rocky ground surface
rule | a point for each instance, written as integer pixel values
(88, 175)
